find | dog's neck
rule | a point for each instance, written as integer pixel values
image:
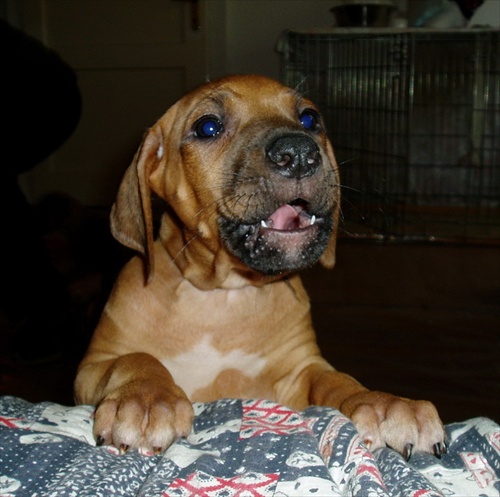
(207, 265)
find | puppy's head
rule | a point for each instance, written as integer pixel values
(246, 169)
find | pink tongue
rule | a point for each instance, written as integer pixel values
(285, 218)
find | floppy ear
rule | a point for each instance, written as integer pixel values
(131, 213)
(328, 257)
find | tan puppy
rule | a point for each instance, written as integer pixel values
(214, 308)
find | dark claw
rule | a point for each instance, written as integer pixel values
(407, 451)
(440, 449)
(99, 441)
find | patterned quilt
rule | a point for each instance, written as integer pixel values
(245, 448)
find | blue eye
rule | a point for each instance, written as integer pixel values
(309, 119)
(208, 127)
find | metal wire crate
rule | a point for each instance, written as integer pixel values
(414, 117)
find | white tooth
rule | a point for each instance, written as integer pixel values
(313, 219)
(263, 224)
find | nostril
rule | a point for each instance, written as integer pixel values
(313, 158)
(284, 160)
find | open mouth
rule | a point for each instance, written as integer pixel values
(289, 239)
(289, 217)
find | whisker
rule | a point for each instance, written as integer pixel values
(184, 247)
(299, 84)
(291, 288)
(352, 189)
(347, 161)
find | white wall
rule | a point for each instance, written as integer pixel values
(254, 26)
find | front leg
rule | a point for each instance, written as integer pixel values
(138, 403)
(382, 419)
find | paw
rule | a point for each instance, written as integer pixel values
(406, 426)
(142, 415)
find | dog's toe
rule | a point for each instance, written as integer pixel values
(440, 449)
(432, 437)
(103, 422)
(149, 423)
(406, 426)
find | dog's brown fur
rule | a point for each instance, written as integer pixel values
(214, 307)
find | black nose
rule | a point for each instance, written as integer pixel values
(294, 156)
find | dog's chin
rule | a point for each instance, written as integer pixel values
(281, 244)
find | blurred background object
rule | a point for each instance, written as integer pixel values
(364, 13)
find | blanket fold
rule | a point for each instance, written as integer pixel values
(236, 448)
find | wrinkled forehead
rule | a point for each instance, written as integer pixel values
(247, 98)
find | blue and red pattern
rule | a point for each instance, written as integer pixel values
(237, 448)
(264, 417)
(200, 484)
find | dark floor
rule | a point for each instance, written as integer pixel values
(422, 321)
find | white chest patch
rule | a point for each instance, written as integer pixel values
(200, 366)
